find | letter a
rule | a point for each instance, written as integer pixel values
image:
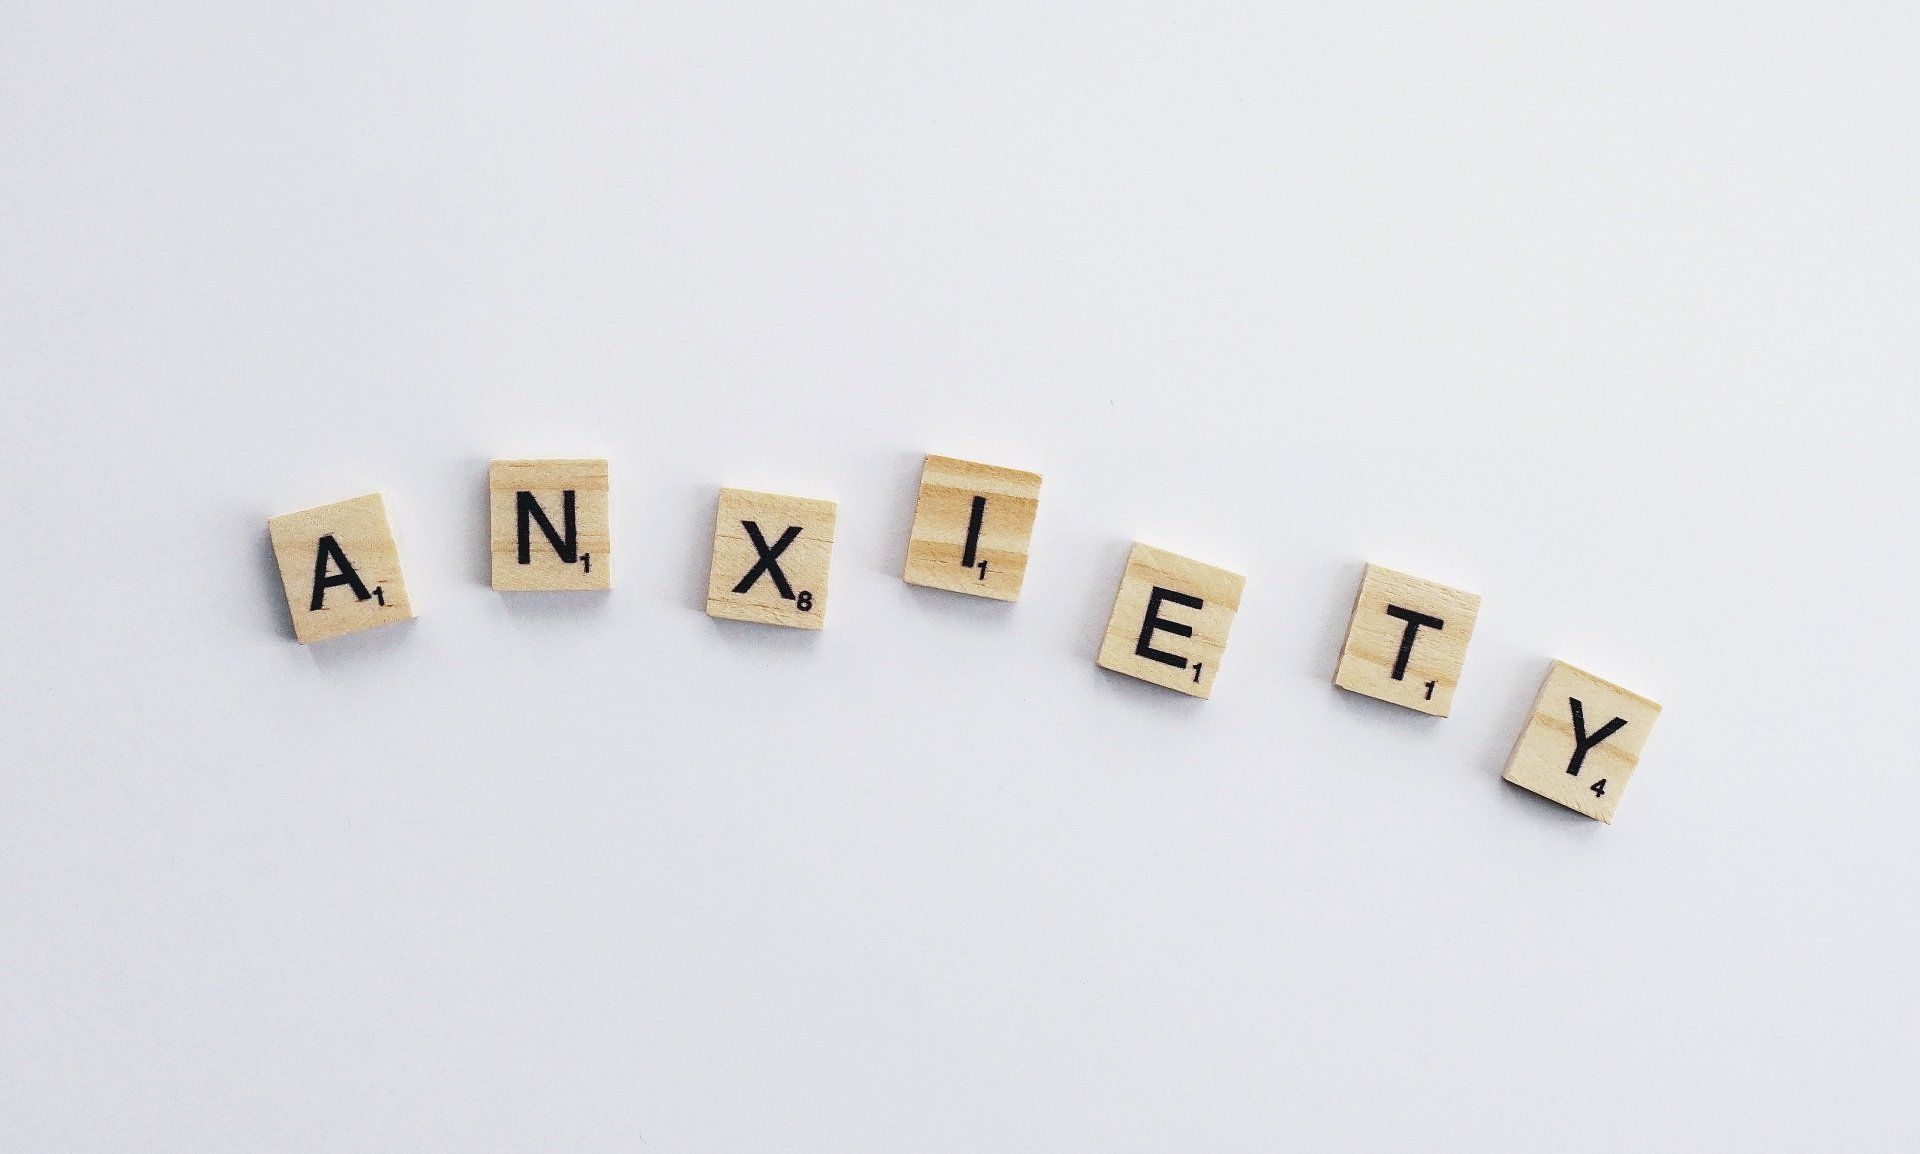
(327, 552)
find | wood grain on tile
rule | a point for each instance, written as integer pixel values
(1407, 641)
(770, 559)
(1170, 620)
(549, 525)
(1582, 741)
(972, 528)
(340, 567)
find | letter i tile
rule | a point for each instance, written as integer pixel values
(972, 527)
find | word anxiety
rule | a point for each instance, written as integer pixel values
(972, 528)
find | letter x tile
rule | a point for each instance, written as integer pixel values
(770, 558)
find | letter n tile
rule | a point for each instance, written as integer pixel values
(548, 524)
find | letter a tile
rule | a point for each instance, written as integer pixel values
(770, 557)
(340, 567)
(549, 522)
(1407, 641)
(1170, 621)
(1582, 741)
(971, 528)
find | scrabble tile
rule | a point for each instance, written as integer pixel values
(340, 566)
(1582, 741)
(770, 557)
(1170, 620)
(549, 522)
(971, 528)
(1407, 641)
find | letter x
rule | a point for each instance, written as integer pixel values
(768, 562)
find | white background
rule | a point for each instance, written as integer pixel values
(1605, 312)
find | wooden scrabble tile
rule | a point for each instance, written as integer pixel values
(340, 566)
(971, 528)
(1170, 620)
(1407, 641)
(1582, 741)
(770, 557)
(549, 521)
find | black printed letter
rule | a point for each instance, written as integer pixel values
(1414, 622)
(1156, 623)
(1581, 742)
(566, 544)
(768, 562)
(329, 550)
(971, 556)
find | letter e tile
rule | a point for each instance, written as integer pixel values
(1170, 620)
